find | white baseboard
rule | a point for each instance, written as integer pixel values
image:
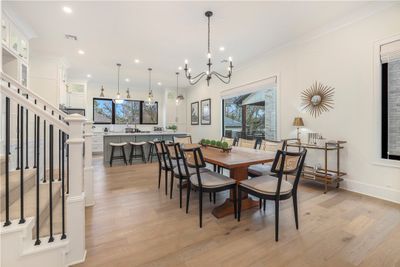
(381, 192)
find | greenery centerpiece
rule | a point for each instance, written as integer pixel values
(216, 144)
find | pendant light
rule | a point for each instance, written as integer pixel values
(118, 99)
(127, 93)
(150, 98)
(102, 91)
(179, 97)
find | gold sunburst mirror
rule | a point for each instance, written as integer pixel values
(317, 99)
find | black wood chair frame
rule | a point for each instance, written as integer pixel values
(277, 197)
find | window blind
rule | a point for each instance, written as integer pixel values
(390, 52)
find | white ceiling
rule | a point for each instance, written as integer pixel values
(163, 34)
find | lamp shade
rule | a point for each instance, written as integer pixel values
(298, 121)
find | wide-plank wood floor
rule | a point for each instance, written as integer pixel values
(135, 224)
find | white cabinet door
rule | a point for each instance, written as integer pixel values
(5, 31)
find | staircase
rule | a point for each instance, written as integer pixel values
(42, 198)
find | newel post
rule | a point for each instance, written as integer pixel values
(88, 171)
(75, 214)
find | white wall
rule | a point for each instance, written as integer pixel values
(344, 59)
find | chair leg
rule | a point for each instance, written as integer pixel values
(166, 182)
(188, 195)
(239, 204)
(123, 153)
(201, 207)
(150, 151)
(215, 168)
(159, 176)
(112, 155)
(276, 220)
(296, 218)
(131, 155)
(214, 196)
(180, 193)
(209, 194)
(260, 203)
(172, 185)
(234, 202)
(264, 204)
(143, 155)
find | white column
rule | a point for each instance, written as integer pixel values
(75, 212)
(88, 171)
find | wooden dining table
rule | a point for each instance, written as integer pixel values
(237, 162)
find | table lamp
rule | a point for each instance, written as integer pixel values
(298, 122)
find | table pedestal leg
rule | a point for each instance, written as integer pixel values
(226, 209)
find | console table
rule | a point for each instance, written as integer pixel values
(324, 175)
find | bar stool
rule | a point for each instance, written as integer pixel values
(133, 154)
(152, 150)
(122, 147)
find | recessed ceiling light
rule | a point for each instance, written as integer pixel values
(159, 83)
(127, 80)
(89, 75)
(81, 52)
(137, 61)
(221, 48)
(67, 9)
(179, 68)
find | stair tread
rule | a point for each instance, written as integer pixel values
(14, 179)
(30, 201)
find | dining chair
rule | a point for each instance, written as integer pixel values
(230, 141)
(205, 181)
(268, 187)
(181, 171)
(164, 163)
(183, 140)
(265, 168)
(247, 143)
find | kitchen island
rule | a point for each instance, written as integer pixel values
(113, 137)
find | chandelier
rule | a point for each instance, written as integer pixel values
(179, 97)
(150, 98)
(208, 74)
(118, 99)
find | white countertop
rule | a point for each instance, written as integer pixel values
(144, 133)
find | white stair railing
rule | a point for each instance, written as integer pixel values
(72, 126)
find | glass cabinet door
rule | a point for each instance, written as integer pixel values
(14, 40)
(24, 75)
(4, 31)
(23, 48)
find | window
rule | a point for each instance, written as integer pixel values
(390, 59)
(103, 110)
(128, 112)
(149, 114)
(251, 115)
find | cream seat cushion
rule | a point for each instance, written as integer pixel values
(260, 169)
(118, 144)
(191, 170)
(137, 143)
(212, 180)
(267, 185)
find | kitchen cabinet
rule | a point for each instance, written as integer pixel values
(5, 31)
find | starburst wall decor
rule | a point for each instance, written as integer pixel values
(317, 99)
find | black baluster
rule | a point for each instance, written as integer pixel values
(26, 138)
(63, 235)
(51, 178)
(21, 139)
(67, 166)
(7, 167)
(37, 150)
(44, 152)
(17, 136)
(59, 155)
(34, 141)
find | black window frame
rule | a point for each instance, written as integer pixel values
(142, 103)
(112, 110)
(140, 112)
(385, 115)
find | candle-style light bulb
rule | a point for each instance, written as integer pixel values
(230, 59)
(186, 61)
(209, 55)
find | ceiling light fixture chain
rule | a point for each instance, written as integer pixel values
(224, 78)
(118, 99)
(179, 97)
(151, 96)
